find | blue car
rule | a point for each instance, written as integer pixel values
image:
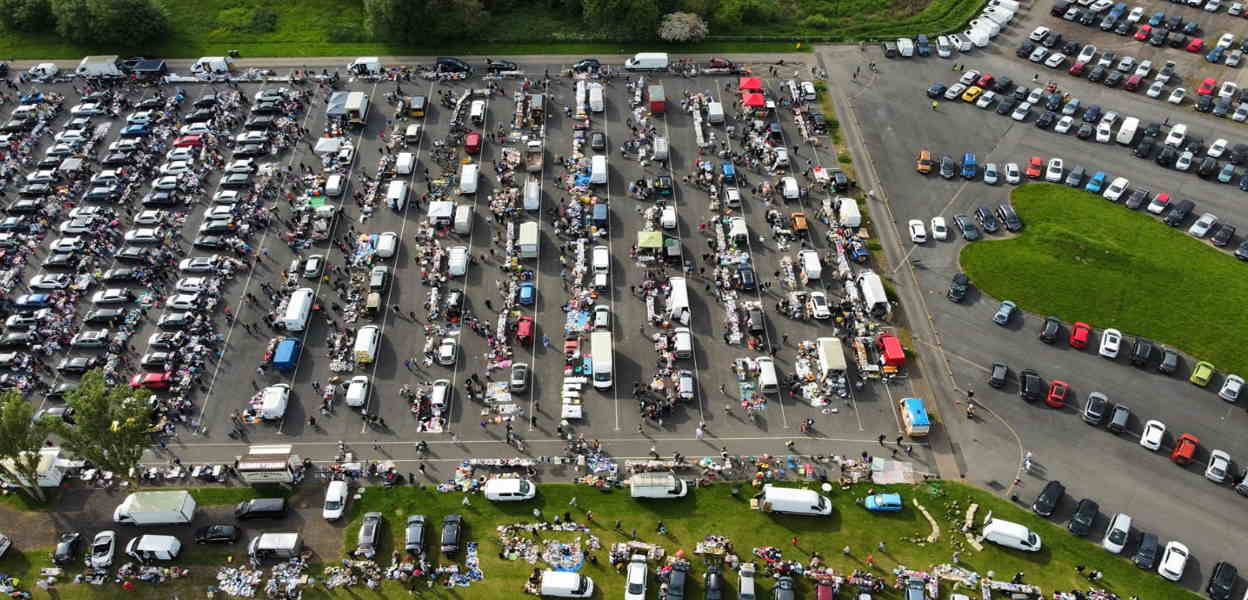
(135, 131)
(883, 502)
(1092, 114)
(969, 170)
(33, 301)
(1157, 19)
(526, 293)
(937, 90)
(1097, 183)
(1214, 56)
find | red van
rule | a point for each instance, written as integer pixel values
(472, 143)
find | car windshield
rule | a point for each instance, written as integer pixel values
(636, 588)
(333, 504)
(101, 547)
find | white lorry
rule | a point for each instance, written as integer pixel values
(156, 508)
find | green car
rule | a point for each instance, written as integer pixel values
(1202, 373)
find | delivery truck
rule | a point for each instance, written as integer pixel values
(533, 156)
(156, 508)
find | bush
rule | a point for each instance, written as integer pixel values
(817, 21)
(682, 27)
(346, 34)
(26, 15)
(844, 158)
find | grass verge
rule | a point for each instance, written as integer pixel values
(1082, 258)
(709, 510)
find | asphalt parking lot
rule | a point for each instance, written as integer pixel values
(225, 387)
(897, 121)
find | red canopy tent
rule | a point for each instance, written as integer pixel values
(891, 352)
(750, 84)
(753, 100)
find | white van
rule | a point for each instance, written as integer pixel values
(595, 98)
(533, 194)
(809, 93)
(647, 61)
(334, 185)
(682, 342)
(457, 261)
(357, 391)
(660, 149)
(738, 233)
(1126, 133)
(528, 240)
(279, 546)
(745, 588)
(715, 113)
(1011, 535)
(598, 169)
(476, 112)
(468, 178)
(412, 134)
(790, 189)
(677, 299)
(667, 217)
(298, 310)
(404, 164)
(809, 260)
(562, 584)
(366, 342)
(657, 485)
(768, 380)
(463, 219)
(602, 259)
(960, 42)
(905, 47)
(396, 194)
(388, 244)
(794, 501)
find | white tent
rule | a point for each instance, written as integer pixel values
(329, 145)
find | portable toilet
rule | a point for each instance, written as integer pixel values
(658, 100)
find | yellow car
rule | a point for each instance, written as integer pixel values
(1202, 373)
(972, 93)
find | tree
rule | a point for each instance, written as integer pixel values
(21, 437)
(634, 19)
(26, 15)
(682, 27)
(112, 425)
(422, 22)
(73, 20)
(113, 23)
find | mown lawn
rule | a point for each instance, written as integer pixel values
(335, 28)
(1083, 258)
(710, 510)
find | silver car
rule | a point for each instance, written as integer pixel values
(1004, 313)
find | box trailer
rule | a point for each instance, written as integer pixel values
(658, 99)
(528, 240)
(271, 463)
(156, 508)
(356, 108)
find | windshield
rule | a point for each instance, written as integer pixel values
(823, 503)
(525, 487)
(635, 589)
(1033, 540)
(332, 505)
(100, 547)
(582, 585)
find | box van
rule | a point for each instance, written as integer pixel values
(396, 195)
(595, 98)
(527, 242)
(660, 148)
(1126, 133)
(790, 189)
(682, 342)
(404, 164)
(366, 341)
(647, 61)
(715, 113)
(412, 134)
(334, 185)
(598, 169)
(562, 584)
(468, 178)
(278, 546)
(378, 278)
(768, 380)
(794, 501)
(463, 219)
(905, 47)
(260, 508)
(476, 112)
(1011, 535)
(387, 244)
(745, 588)
(533, 194)
(601, 259)
(298, 310)
(810, 263)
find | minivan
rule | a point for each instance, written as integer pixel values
(683, 342)
(260, 508)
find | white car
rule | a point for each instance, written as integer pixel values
(1213, 5)
(969, 77)
(1232, 385)
(940, 231)
(1154, 430)
(183, 301)
(955, 91)
(192, 285)
(1055, 60)
(251, 137)
(357, 391)
(242, 165)
(1177, 96)
(1038, 54)
(1135, 15)
(1144, 68)
(1086, 54)
(144, 235)
(49, 281)
(166, 183)
(1021, 112)
(1111, 343)
(1219, 466)
(227, 197)
(1184, 162)
(1101, 5)
(818, 305)
(180, 154)
(992, 176)
(986, 99)
(112, 296)
(1225, 41)
(335, 500)
(151, 216)
(220, 211)
(1117, 533)
(918, 234)
(448, 352)
(87, 108)
(102, 549)
(1173, 561)
(1012, 174)
(199, 128)
(1116, 189)
(1217, 148)
(509, 490)
(1228, 89)
(1038, 34)
(638, 573)
(1053, 174)
(1037, 93)
(199, 264)
(1202, 225)
(68, 244)
(145, 117)
(1104, 133)
(72, 135)
(1064, 124)
(1177, 134)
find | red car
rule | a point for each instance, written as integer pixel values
(1196, 45)
(1077, 68)
(524, 330)
(1057, 394)
(986, 81)
(1207, 86)
(1144, 32)
(189, 140)
(152, 381)
(1185, 450)
(1133, 83)
(1080, 332)
(1035, 167)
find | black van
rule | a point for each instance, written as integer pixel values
(1179, 213)
(448, 64)
(260, 508)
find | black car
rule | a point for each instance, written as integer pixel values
(1222, 107)
(452, 531)
(1144, 149)
(1007, 104)
(676, 581)
(251, 151)
(1169, 361)
(1204, 104)
(1114, 78)
(598, 140)
(1208, 166)
(1025, 49)
(24, 207)
(1052, 39)
(117, 159)
(200, 116)
(1087, 17)
(1159, 37)
(986, 219)
(1030, 385)
(209, 242)
(61, 260)
(1167, 156)
(159, 198)
(120, 274)
(414, 535)
(134, 254)
(586, 64)
(1046, 120)
(1179, 213)
(1059, 8)
(1174, 22)
(1009, 217)
(1124, 28)
(1085, 516)
(58, 393)
(1223, 234)
(1239, 154)
(1003, 85)
(205, 101)
(76, 365)
(105, 316)
(1177, 40)
(969, 231)
(67, 548)
(498, 66)
(1145, 556)
(1094, 409)
(1050, 330)
(998, 375)
(259, 123)
(1242, 251)
(958, 287)
(936, 90)
(1052, 494)
(1109, 22)
(1097, 74)
(713, 584)
(1053, 101)
(1222, 582)
(1021, 93)
(1191, 28)
(216, 534)
(1085, 131)
(1141, 351)
(1243, 183)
